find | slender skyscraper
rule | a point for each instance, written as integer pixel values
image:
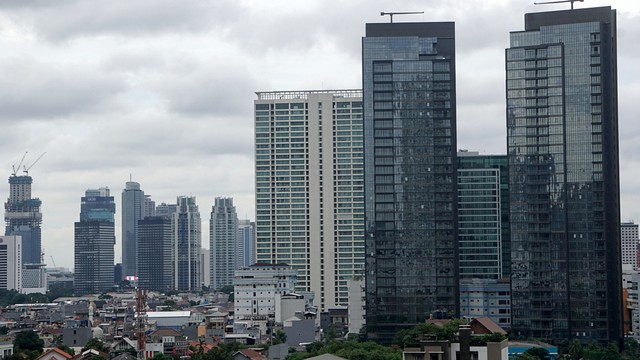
(246, 243)
(562, 129)
(155, 253)
(133, 210)
(410, 174)
(186, 245)
(223, 237)
(94, 243)
(309, 188)
(23, 217)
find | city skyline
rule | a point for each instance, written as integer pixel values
(157, 69)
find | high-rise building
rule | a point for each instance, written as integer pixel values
(94, 237)
(11, 263)
(246, 243)
(155, 256)
(410, 174)
(309, 188)
(223, 237)
(149, 206)
(186, 245)
(133, 210)
(165, 209)
(630, 241)
(483, 216)
(562, 142)
(23, 217)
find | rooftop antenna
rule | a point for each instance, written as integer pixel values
(558, 2)
(406, 13)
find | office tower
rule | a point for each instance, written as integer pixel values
(133, 210)
(11, 262)
(246, 243)
(165, 209)
(149, 206)
(629, 236)
(410, 174)
(186, 245)
(23, 217)
(562, 142)
(483, 216)
(223, 236)
(94, 237)
(155, 257)
(309, 188)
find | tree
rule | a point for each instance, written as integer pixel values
(279, 337)
(160, 356)
(526, 356)
(28, 341)
(575, 349)
(95, 343)
(611, 352)
(538, 352)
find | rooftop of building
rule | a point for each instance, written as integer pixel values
(302, 94)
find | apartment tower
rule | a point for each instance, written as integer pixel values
(562, 142)
(410, 175)
(223, 237)
(309, 188)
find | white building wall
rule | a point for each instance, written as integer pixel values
(257, 287)
(629, 236)
(11, 262)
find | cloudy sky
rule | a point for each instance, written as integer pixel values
(162, 91)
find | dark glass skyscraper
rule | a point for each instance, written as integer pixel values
(562, 129)
(410, 174)
(94, 240)
(133, 210)
(155, 260)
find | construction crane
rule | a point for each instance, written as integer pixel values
(400, 13)
(558, 2)
(26, 168)
(16, 168)
(53, 261)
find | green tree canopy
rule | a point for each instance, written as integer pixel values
(97, 344)
(538, 352)
(28, 340)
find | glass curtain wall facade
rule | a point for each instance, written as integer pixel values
(94, 241)
(309, 188)
(483, 216)
(562, 131)
(155, 259)
(133, 210)
(410, 175)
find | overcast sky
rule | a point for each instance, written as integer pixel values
(163, 90)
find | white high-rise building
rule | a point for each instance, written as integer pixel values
(11, 263)
(309, 188)
(223, 236)
(187, 243)
(629, 236)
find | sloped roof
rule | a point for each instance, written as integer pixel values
(326, 357)
(250, 354)
(489, 325)
(46, 354)
(165, 332)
